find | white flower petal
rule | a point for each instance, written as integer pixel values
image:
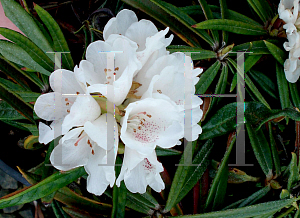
(99, 176)
(140, 170)
(46, 108)
(64, 81)
(72, 152)
(95, 54)
(84, 109)
(48, 133)
(148, 123)
(120, 23)
(97, 131)
(140, 31)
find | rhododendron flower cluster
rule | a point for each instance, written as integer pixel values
(288, 11)
(149, 106)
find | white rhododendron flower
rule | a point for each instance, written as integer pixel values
(82, 147)
(150, 122)
(142, 96)
(170, 81)
(93, 70)
(288, 11)
(69, 110)
(140, 170)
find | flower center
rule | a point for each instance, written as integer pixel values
(143, 127)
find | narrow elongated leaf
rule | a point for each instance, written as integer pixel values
(251, 61)
(7, 112)
(218, 188)
(294, 173)
(261, 149)
(60, 43)
(224, 12)
(207, 77)
(137, 206)
(249, 211)
(208, 16)
(41, 189)
(11, 85)
(264, 82)
(282, 87)
(58, 211)
(34, 51)
(262, 9)
(231, 15)
(187, 175)
(17, 103)
(221, 85)
(183, 18)
(17, 74)
(199, 53)
(277, 52)
(166, 151)
(255, 196)
(275, 155)
(255, 91)
(165, 18)
(67, 196)
(257, 47)
(119, 194)
(25, 23)
(16, 54)
(294, 94)
(232, 26)
(144, 199)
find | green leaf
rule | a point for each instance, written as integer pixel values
(255, 196)
(58, 211)
(294, 173)
(294, 94)
(249, 83)
(11, 85)
(277, 52)
(232, 15)
(221, 85)
(208, 16)
(16, 54)
(119, 194)
(233, 82)
(255, 91)
(60, 43)
(166, 151)
(233, 26)
(43, 188)
(7, 112)
(200, 55)
(34, 52)
(137, 205)
(282, 87)
(264, 82)
(187, 175)
(165, 18)
(217, 190)
(25, 23)
(19, 75)
(275, 155)
(262, 9)
(72, 199)
(251, 61)
(207, 77)
(17, 103)
(257, 47)
(238, 176)
(224, 15)
(261, 149)
(249, 211)
(183, 18)
(145, 199)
